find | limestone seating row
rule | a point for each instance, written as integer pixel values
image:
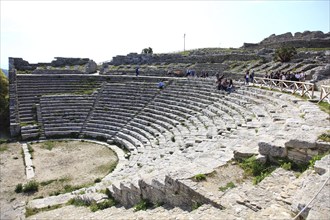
(277, 104)
(64, 115)
(30, 131)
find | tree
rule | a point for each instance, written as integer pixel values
(147, 51)
(4, 101)
(284, 54)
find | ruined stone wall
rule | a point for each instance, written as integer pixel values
(57, 66)
(138, 59)
(172, 192)
(13, 102)
(307, 39)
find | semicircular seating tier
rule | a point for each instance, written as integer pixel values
(186, 128)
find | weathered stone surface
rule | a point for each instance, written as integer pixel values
(307, 39)
(322, 166)
(50, 201)
(268, 149)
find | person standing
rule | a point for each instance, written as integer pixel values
(247, 76)
(252, 76)
(137, 73)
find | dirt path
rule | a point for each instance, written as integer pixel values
(59, 166)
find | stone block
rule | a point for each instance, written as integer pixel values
(322, 166)
(268, 149)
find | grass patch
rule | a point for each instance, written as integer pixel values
(229, 185)
(32, 211)
(45, 183)
(324, 106)
(144, 204)
(200, 177)
(85, 92)
(316, 158)
(49, 145)
(252, 167)
(3, 147)
(88, 202)
(195, 206)
(19, 188)
(325, 137)
(30, 187)
(30, 149)
(69, 188)
(3, 141)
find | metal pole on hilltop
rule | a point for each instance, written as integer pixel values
(184, 42)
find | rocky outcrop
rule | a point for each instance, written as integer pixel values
(139, 59)
(308, 39)
(60, 65)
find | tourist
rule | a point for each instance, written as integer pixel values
(252, 76)
(137, 73)
(161, 85)
(230, 86)
(247, 76)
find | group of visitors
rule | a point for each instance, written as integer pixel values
(224, 83)
(249, 77)
(299, 76)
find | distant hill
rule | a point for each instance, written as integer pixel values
(5, 72)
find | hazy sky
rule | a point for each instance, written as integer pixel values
(38, 31)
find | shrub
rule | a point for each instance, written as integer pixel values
(284, 54)
(97, 180)
(147, 51)
(142, 205)
(258, 170)
(200, 177)
(19, 188)
(286, 166)
(31, 187)
(173, 139)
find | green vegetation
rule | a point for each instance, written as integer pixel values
(229, 185)
(30, 187)
(312, 49)
(4, 102)
(2, 141)
(85, 92)
(325, 136)
(200, 177)
(316, 158)
(32, 211)
(88, 202)
(173, 139)
(195, 205)
(97, 180)
(19, 188)
(147, 51)
(69, 188)
(284, 53)
(49, 145)
(30, 149)
(325, 106)
(142, 205)
(253, 167)
(3, 147)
